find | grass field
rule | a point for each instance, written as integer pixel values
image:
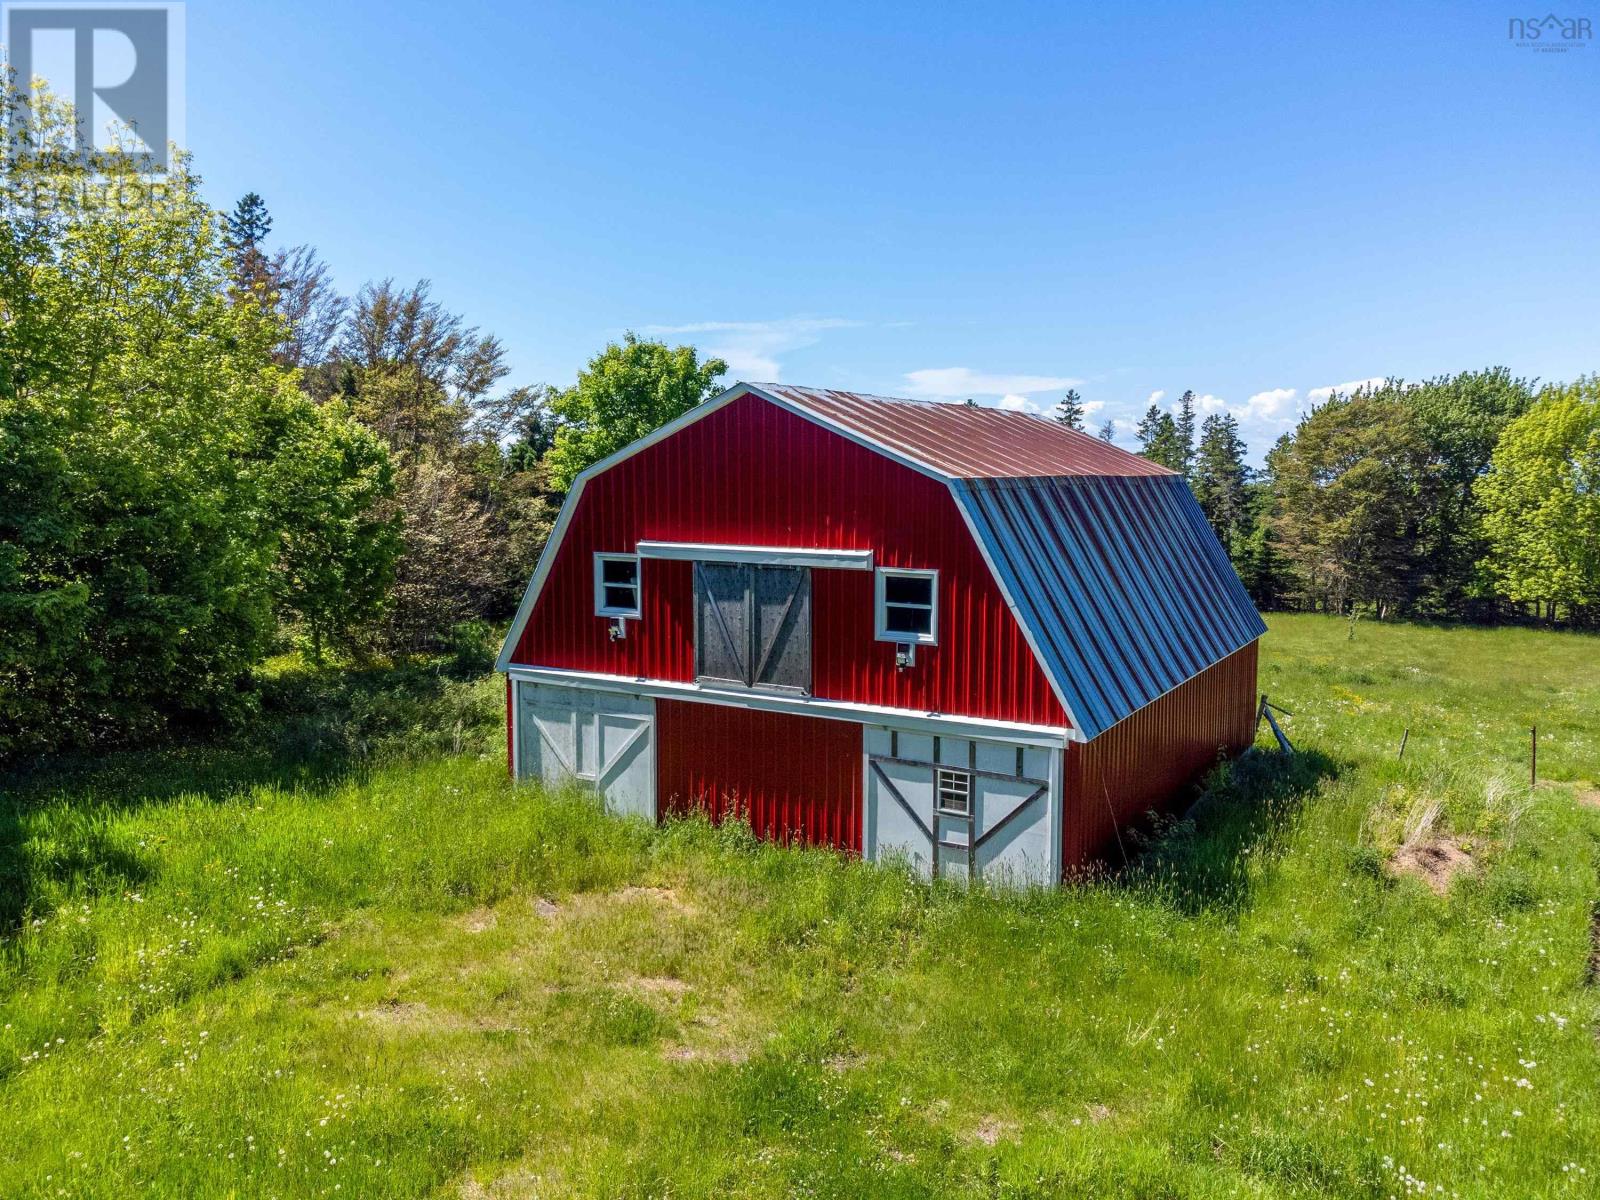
(348, 959)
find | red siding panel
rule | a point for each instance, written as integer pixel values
(797, 779)
(1145, 761)
(751, 473)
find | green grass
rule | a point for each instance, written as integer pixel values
(348, 959)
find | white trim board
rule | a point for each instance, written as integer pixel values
(775, 556)
(838, 710)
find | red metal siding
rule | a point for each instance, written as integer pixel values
(1144, 761)
(751, 473)
(798, 779)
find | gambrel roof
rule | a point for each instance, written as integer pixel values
(1120, 587)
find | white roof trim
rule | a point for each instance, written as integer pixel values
(839, 710)
(777, 556)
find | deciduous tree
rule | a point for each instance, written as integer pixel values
(628, 389)
(1541, 501)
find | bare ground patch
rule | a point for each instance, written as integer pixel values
(1588, 796)
(991, 1131)
(656, 985)
(1436, 861)
(413, 1016)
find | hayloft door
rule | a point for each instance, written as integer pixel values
(753, 626)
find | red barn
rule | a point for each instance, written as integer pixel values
(972, 638)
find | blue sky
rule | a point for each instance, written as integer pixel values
(1255, 203)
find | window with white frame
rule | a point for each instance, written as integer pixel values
(616, 585)
(907, 606)
(953, 791)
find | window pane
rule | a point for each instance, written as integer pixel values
(619, 570)
(621, 597)
(907, 589)
(897, 619)
(955, 792)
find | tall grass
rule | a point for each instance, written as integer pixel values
(347, 960)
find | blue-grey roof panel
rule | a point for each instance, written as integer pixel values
(1119, 579)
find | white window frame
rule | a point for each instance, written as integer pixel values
(601, 609)
(880, 607)
(955, 774)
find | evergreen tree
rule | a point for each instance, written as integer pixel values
(1158, 439)
(1219, 479)
(1070, 411)
(246, 229)
(1108, 432)
(1186, 431)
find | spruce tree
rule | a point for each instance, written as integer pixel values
(1159, 440)
(1070, 411)
(1219, 479)
(246, 228)
(1186, 430)
(1108, 432)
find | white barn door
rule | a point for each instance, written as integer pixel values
(600, 738)
(957, 808)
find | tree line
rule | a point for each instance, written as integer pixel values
(1473, 497)
(209, 455)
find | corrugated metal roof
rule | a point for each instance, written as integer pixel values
(1123, 586)
(964, 441)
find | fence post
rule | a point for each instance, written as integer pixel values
(1533, 756)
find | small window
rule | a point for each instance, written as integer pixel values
(907, 606)
(954, 792)
(616, 585)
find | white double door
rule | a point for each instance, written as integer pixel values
(602, 738)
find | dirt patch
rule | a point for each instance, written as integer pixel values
(1098, 1113)
(664, 896)
(1436, 861)
(545, 908)
(841, 1064)
(1588, 796)
(414, 1016)
(656, 985)
(705, 1054)
(479, 920)
(504, 1187)
(992, 1130)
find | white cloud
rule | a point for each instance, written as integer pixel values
(752, 348)
(1012, 402)
(1267, 405)
(942, 383)
(1318, 395)
(1211, 404)
(1157, 396)
(1090, 407)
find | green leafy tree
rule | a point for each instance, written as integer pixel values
(1541, 502)
(1159, 440)
(1463, 417)
(627, 390)
(339, 539)
(143, 434)
(1220, 478)
(1353, 491)
(1070, 411)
